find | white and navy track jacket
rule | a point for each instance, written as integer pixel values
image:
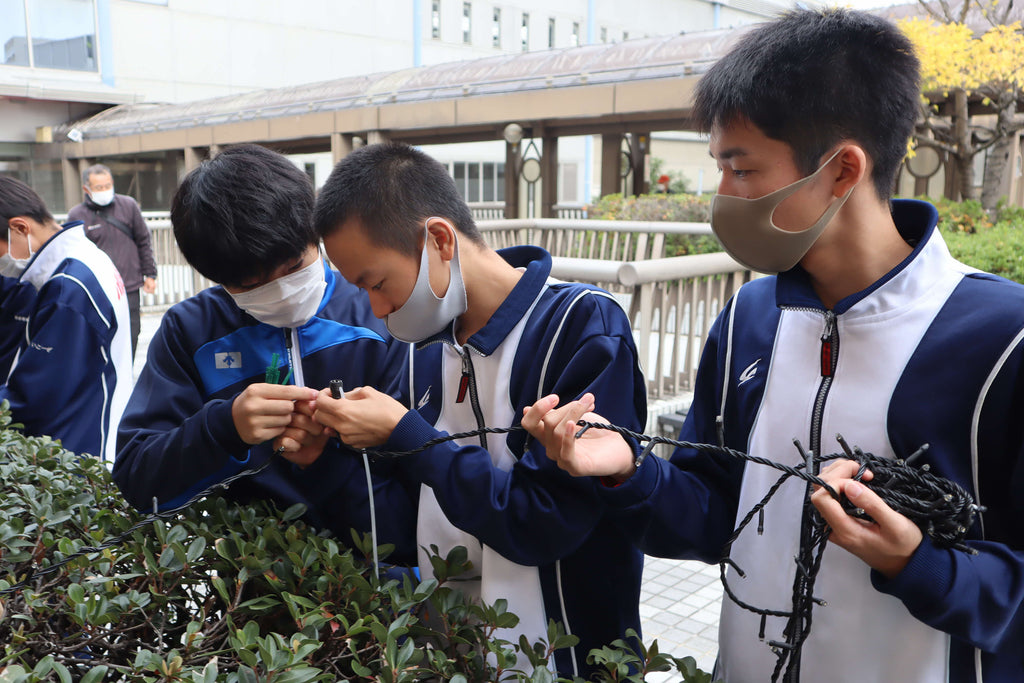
(71, 373)
(178, 436)
(536, 536)
(931, 353)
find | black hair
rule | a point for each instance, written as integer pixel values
(243, 213)
(392, 189)
(18, 199)
(813, 78)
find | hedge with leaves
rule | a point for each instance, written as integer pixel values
(231, 593)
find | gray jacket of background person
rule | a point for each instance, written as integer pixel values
(132, 254)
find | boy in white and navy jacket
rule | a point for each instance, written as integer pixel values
(493, 333)
(71, 370)
(870, 330)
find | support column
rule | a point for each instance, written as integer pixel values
(341, 146)
(611, 159)
(374, 137)
(549, 177)
(640, 148)
(193, 157)
(72, 181)
(512, 180)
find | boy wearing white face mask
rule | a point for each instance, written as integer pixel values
(492, 334)
(232, 372)
(873, 331)
(65, 334)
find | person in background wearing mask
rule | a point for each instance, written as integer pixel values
(493, 334)
(71, 371)
(869, 329)
(115, 224)
(232, 367)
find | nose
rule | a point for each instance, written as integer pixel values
(379, 305)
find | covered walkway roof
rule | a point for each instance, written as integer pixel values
(635, 85)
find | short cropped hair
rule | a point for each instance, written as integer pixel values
(243, 213)
(95, 169)
(18, 199)
(392, 189)
(813, 78)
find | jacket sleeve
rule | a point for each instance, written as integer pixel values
(171, 443)
(979, 598)
(534, 513)
(685, 507)
(140, 233)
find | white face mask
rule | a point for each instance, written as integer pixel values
(102, 198)
(424, 314)
(746, 229)
(12, 267)
(288, 301)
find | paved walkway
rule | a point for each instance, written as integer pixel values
(679, 600)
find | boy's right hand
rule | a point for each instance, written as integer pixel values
(263, 411)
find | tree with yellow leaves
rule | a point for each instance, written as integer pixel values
(966, 72)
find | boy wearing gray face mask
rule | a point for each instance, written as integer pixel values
(232, 371)
(492, 335)
(873, 331)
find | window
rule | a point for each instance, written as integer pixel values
(551, 32)
(575, 34)
(467, 27)
(62, 34)
(479, 181)
(496, 28)
(568, 184)
(435, 19)
(604, 34)
(524, 32)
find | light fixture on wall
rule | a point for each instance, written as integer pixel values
(513, 133)
(75, 135)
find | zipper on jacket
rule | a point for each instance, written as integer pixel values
(468, 380)
(828, 359)
(291, 340)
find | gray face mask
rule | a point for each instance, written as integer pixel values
(424, 313)
(746, 229)
(12, 267)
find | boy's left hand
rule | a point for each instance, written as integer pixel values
(304, 438)
(885, 544)
(364, 418)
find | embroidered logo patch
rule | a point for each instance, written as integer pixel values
(423, 399)
(749, 373)
(228, 360)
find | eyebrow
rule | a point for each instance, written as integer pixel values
(729, 153)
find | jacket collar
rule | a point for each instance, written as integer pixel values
(916, 222)
(46, 258)
(536, 263)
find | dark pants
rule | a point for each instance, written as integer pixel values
(134, 303)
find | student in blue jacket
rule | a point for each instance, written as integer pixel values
(64, 326)
(870, 329)
(232, 367)
(492, 335)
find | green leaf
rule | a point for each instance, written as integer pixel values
(95, 674)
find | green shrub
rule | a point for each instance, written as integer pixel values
(684, 208)
(228, 593)
(992, 245)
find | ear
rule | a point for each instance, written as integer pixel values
(853, 166)
(20, 225)
(442, 234)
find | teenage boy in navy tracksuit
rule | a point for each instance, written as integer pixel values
(498, 335)
(66, 346)
(871, 330)
(235, 365)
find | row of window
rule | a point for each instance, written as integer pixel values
(524, 27)
(484, 181)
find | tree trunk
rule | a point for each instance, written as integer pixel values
(999, 155)
(964, 157)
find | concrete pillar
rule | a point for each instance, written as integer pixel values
(512, 180)
(341, 146)
(72, 180)
(640, 150)
(193, 157)
(611, 160)
(549, 177)
(374, 137)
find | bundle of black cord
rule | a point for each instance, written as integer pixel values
(941, 508)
